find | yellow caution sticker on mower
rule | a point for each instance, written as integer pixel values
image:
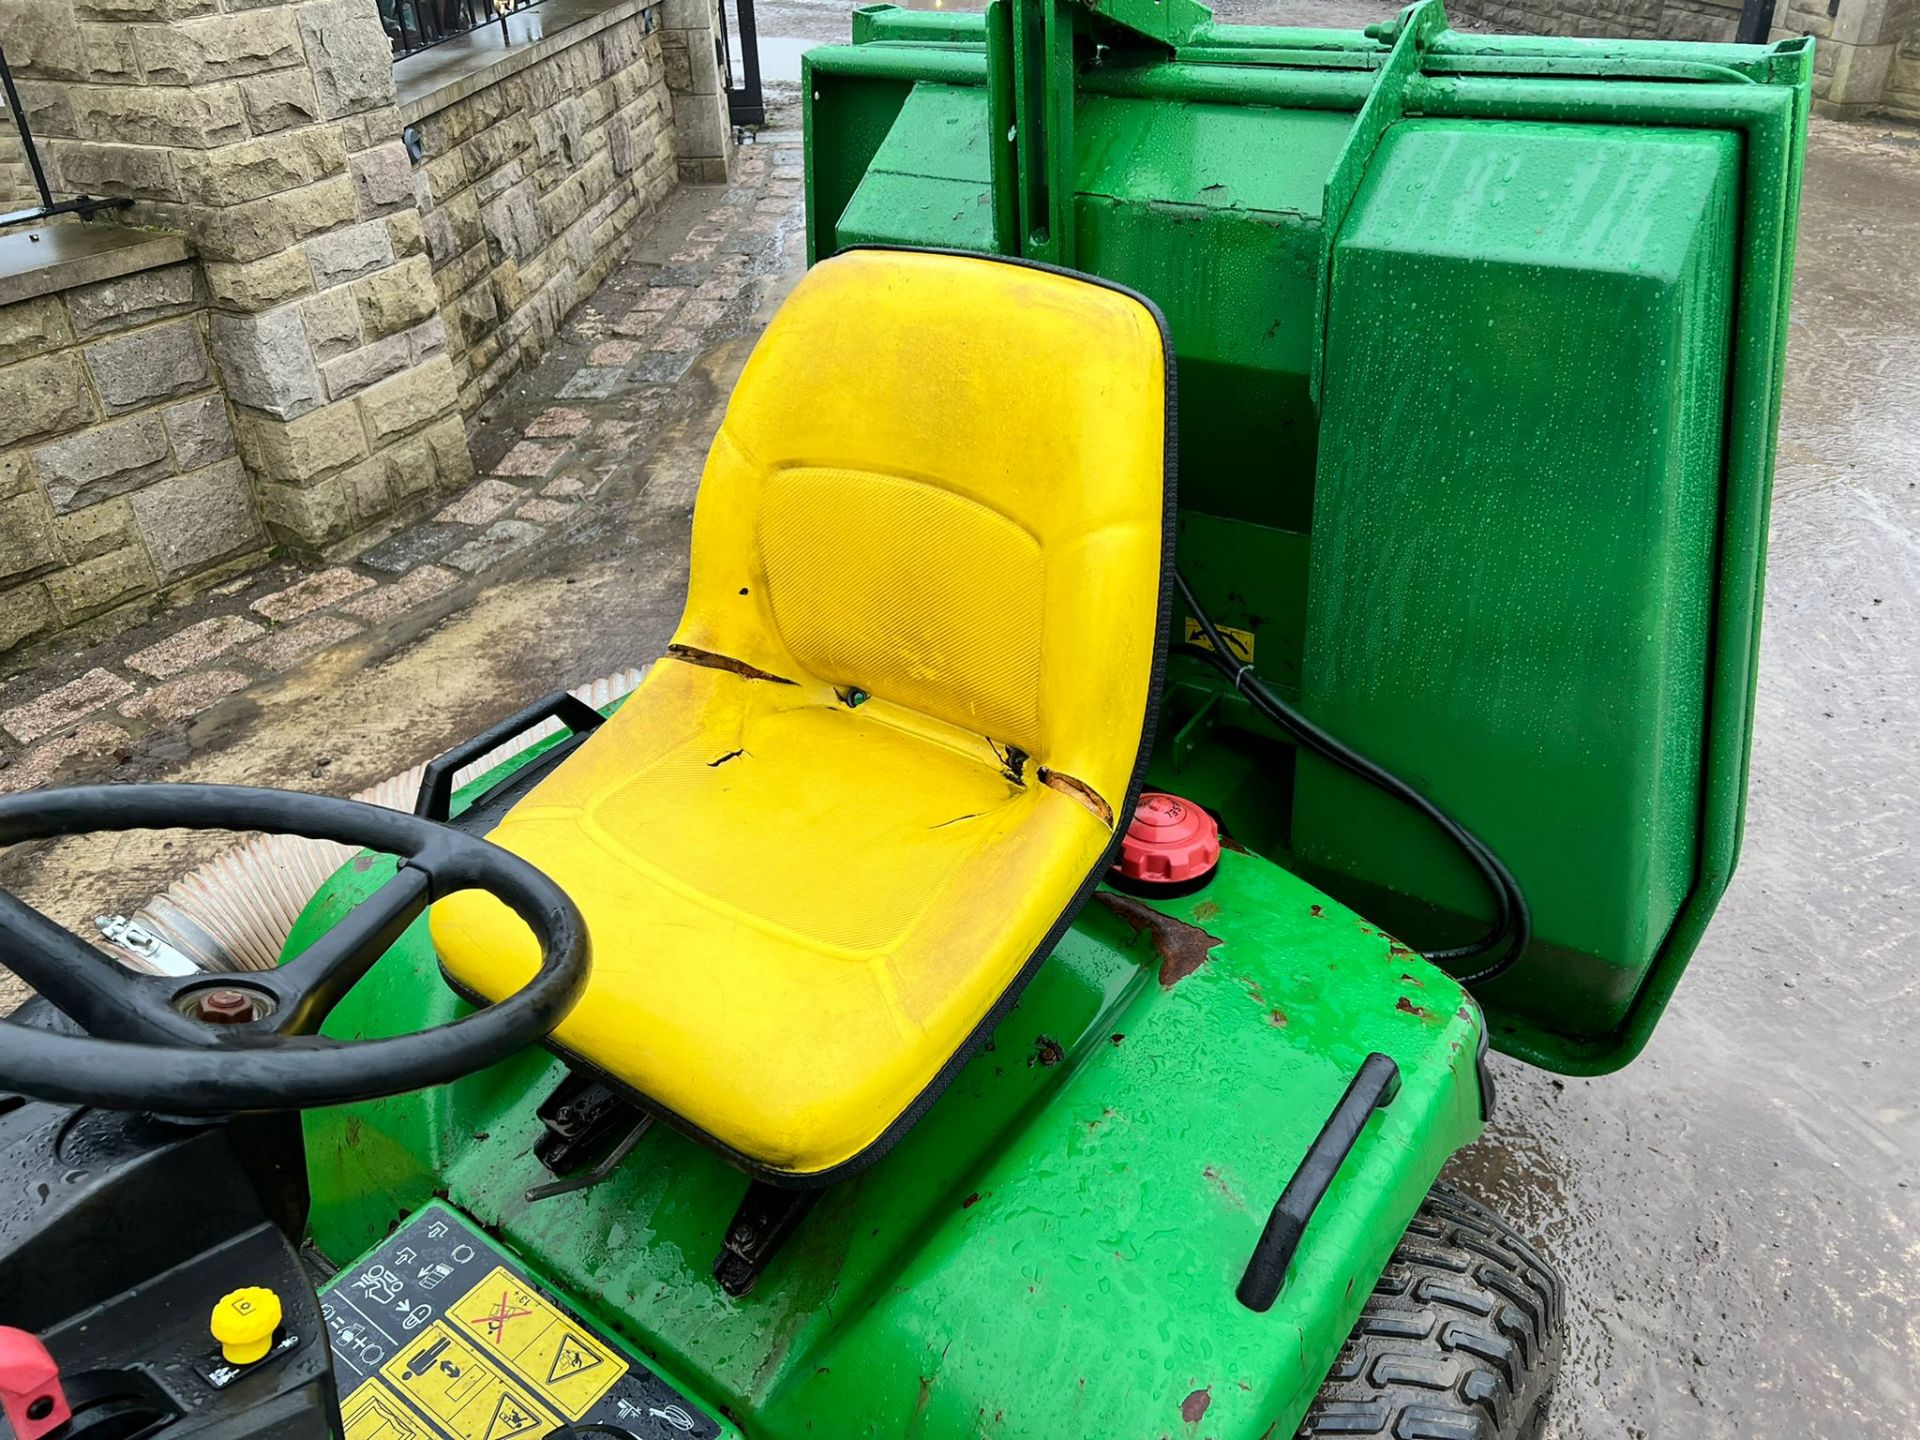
(466, 1393)
(375, 1413)
(567, 1367)
(439, 1334)
(1239, 642)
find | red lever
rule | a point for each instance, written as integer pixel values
(30, 1390)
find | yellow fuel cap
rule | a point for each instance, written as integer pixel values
(244, 1322)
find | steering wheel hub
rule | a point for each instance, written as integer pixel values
(225, 1003)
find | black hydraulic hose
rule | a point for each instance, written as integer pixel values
(1512, 921)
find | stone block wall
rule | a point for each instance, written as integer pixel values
(1902, 95)
(333, 305)
(528, 186)
(16, 184)
(1866, 61)
(1867, 57)
(1623, 19)
(120, 482)
(267, 134)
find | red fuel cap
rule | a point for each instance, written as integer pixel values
(1171, 844)
(30, 1389)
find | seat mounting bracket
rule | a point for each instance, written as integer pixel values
(767, 1217)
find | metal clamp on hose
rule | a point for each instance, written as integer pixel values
(1373, 1088)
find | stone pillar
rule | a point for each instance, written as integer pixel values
(119, 488)
(267, 134)
(1858, 59)
(689, 41)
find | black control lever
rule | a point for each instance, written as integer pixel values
(1373, 1088)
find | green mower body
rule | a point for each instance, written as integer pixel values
(1052, 1250)
(1479, 345)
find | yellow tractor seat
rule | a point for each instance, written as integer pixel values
(824, 843)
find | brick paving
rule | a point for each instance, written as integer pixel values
(577, 425)
(192, 646)
(316, 592)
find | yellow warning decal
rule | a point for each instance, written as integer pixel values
(558, 1357)
(468, 1394)
(373, 1412)
(1240, 642)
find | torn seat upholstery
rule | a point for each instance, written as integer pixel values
(827, 839)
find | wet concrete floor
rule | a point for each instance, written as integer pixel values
(1738, 1214)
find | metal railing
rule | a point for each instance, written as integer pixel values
(746, 105)
(416, 25)
(81, 205)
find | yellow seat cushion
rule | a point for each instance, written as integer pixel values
(910, 695)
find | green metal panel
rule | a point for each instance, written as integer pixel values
(1514, 532)
(1214, 210)
(1273, 189)
(1103, 1167)
(931, 181)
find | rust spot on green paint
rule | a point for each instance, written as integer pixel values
(971, 1201)
(1205, 911)
(1413, 980)
(1315, 911)
(1277, 1019)
(1182, 947)
(1407, 1007)
(1046, 1051)
(1194, 1407)
(1219, 1182)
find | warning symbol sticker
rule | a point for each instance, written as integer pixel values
(439, 1334)
(374, 1412)
(571, 1357)
(1240, 642)
(565, 1365)
(466, 1391)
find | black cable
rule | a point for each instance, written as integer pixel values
(1512, 921)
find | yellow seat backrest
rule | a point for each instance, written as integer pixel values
(942, 481)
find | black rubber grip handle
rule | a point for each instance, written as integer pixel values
(1373, 1088)
(436, 784)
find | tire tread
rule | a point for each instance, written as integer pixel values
(1459, 1340)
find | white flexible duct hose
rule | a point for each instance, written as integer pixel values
(236, 911)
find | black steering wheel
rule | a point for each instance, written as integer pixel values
(216, 1044)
